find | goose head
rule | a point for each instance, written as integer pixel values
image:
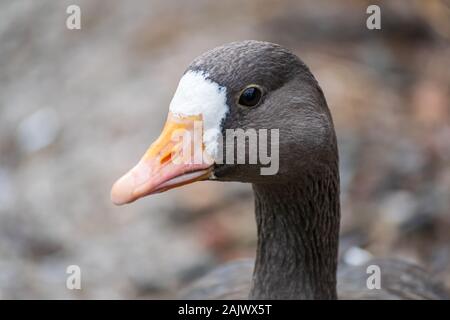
(248, 88)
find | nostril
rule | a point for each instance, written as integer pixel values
(166, 158)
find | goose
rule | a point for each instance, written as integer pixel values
(255, 85)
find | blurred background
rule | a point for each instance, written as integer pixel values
(79, 107)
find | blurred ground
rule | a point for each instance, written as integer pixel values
(78, 108)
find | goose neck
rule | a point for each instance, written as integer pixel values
(298, 228)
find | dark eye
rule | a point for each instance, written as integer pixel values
(250, 97)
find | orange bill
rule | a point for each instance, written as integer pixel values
(176, 158)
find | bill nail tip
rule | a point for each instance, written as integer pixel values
(114, 198)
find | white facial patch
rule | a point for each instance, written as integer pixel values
(197, 95)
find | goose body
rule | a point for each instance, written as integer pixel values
(255, 85)
(401, 281)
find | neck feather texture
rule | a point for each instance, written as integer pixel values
(298, 230)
